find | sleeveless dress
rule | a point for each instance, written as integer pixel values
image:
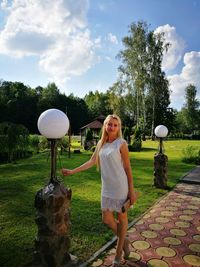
(114, 190)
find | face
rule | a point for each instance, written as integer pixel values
(112, 127)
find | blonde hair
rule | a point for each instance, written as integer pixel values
(104, 135)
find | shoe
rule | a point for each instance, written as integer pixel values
(116, 262)
(126, 248)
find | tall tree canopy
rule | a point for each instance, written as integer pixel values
(189, 116)
(23, 105)
(97, 103)
(142, 76)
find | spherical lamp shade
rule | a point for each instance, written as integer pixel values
(53, 124)
(161, 131)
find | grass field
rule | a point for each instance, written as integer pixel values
(20, 182)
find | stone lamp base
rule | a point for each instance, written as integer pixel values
(160, 170)
(52, 242)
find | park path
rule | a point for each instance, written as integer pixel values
(168, 234)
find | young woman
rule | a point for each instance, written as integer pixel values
(112, 158)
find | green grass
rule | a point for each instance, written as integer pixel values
(20, 182)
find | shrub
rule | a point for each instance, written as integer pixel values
(34, 142)
(191, 154)
(14, 141)
(136, 142)
(43, 144)
(88, 139)
(126, 134)
(63, 144)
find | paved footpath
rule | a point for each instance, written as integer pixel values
(169, 233)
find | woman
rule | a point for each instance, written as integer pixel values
(112, 157)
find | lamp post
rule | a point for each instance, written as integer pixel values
(160, 159)
(53, 201)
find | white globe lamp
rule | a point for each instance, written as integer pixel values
(53, 124)
(161, 132)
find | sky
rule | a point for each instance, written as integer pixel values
(75, 43)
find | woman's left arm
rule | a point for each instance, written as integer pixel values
(127, 167)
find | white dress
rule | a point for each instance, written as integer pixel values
(114, 179)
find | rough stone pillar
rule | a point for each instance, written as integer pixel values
(53, 220)
(160, 170)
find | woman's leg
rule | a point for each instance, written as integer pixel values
(109, 219)
(119, 227)
(121, 231)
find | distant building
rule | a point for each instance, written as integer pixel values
(95, 126)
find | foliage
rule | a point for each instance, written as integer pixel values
(89, 135)
(63, 144)
(21, 104)
(88, 139)
(143, 79)
(191, 154)
(188, 118)
(126, 134)
(136, 142)
(43, 143)
(191, 109)
(13, 140)
(34, 142)
(97, 103)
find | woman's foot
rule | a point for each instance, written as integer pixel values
(126, 248)
(116, 262)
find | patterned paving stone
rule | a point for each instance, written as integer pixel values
(157, 263)
(196, 237)
(192, 260)
(172, 241)
(165, 252)
(168, 235)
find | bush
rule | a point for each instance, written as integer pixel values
(63, 144)
(34, 142)
(43, 144)
(14, 141)
(126, 134)
(136, 142)
(191, 154)
(89, 142)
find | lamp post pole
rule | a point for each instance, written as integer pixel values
(161, 145)
(53, 160)
(160, 159)
(52, 202)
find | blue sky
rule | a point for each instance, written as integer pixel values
(75, 43)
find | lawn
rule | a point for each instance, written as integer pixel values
(20, 182)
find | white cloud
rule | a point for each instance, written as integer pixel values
(176, 49)
(112, 38)
(190, 75)
(108, 58)
(55, 31)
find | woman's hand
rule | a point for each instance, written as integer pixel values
(66, 172)
(133, 196)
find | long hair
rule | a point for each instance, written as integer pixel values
(104, 135)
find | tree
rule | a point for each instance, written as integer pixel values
(134, 59)
(191, 108)
(18, 104)
(142, 76)
(97, 103)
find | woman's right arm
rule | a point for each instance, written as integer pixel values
(91, 162)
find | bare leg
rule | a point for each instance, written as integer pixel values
(119, 227)
(109, 219)
(121, 231)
